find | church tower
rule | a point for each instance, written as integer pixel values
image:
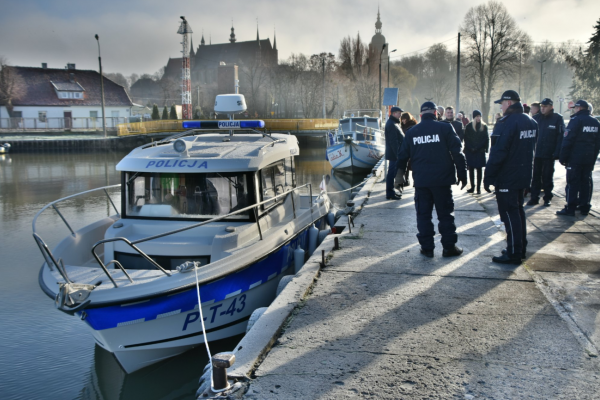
(377, 42)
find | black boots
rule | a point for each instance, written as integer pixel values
(506, 259)
(452, 251)
(427, 253)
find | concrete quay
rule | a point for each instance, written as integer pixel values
(383, 321)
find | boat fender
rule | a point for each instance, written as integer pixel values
(187, 266)
(339, 214)
(331, 219)
(283, 283)
(313, 234)
(322, 235)
(298, 259)
(256, 314)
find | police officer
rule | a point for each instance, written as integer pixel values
(393, 140)
(536, 111)
(579, 152)
(551, 127)
(509, 170)
(435, 153)
(456, 124)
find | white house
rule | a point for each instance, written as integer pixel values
(53, 98)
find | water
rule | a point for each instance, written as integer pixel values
(47, 354)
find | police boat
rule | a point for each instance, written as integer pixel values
(221, 211)
(358, 143)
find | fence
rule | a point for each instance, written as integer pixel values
(315, 124)
(76, 123)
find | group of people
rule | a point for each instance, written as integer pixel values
(522, 155)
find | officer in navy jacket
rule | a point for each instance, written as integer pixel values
(509, 170)
(579, 152)
(393, 140)
(435, 153)
(551, 128)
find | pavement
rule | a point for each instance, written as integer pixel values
(383, 321)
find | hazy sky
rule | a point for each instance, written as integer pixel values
(140, 35)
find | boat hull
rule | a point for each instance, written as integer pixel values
(354, 156)
(143, 333)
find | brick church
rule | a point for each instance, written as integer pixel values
(206, 58)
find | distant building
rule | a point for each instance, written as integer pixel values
(48, 97)
(377, 42)
(206, 58)
(146, 91)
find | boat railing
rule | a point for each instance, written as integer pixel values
(357, 113)
(51, 260)
(373, 133)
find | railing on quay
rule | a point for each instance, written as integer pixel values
(59, 123)
(51, 259)
(315, 124)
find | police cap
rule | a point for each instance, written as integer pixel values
(428, 106)
(547, 102)
(582, 104)
(509, 95)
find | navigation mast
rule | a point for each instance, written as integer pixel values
(186, 86)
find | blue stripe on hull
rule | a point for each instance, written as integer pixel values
(239, 282)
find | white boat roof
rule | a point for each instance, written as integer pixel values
(212, 152)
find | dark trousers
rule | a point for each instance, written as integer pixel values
(425, 199)
(472, 177)
(579, 186)
(389, 179)
(510, 208)
(543, 178)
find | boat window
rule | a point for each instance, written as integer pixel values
(345, 125)
(193, 196)
(372, 123)
(276, 179)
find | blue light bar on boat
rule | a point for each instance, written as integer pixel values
(233, 124)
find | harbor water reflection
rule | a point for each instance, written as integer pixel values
(48, 354)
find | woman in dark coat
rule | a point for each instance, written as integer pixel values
(477, 143)
(407, 121)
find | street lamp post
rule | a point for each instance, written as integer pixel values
(388, 66)
(541, 77)
(380, 53)
(101, 86)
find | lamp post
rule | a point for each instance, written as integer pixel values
(101, 86)
(388, 84)
(380, 53)
(541, 77)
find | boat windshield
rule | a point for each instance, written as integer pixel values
(193, 196)
(350, 125)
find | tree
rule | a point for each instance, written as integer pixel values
(7, 85)
(586, 80)
(155, 113)
(173, 113)
(198, 113)
(165, 114)
(118, 78)
(356, 66)
(492, 48)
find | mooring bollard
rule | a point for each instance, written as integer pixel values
(220, 363)
(336, 243)
(322, 258)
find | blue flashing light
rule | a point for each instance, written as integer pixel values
(225, 125)
(252, 124)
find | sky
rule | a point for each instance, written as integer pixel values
(139, 36)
